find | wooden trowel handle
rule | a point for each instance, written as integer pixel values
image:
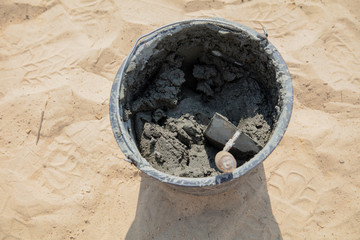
(231, 141)
(224, 160)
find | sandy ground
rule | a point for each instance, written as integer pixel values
(61, 57)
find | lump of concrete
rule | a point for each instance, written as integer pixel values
(140, 119)
(205, 88)
(158, 114)
(164, 93)
(205, 75)
(168, 152)
(187, 126)
(204, 72)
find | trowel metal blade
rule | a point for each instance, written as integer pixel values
(220, 130)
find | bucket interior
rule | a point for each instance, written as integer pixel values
(177, 80)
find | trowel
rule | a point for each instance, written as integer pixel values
(221, 132)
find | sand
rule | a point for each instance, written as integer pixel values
(74, 184)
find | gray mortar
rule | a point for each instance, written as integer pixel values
(187, 77)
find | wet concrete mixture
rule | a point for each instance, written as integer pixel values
(188, 77)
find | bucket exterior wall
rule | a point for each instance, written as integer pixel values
(122, 127)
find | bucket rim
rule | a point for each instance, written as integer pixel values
(128, 146)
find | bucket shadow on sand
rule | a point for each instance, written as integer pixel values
(241, 213)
